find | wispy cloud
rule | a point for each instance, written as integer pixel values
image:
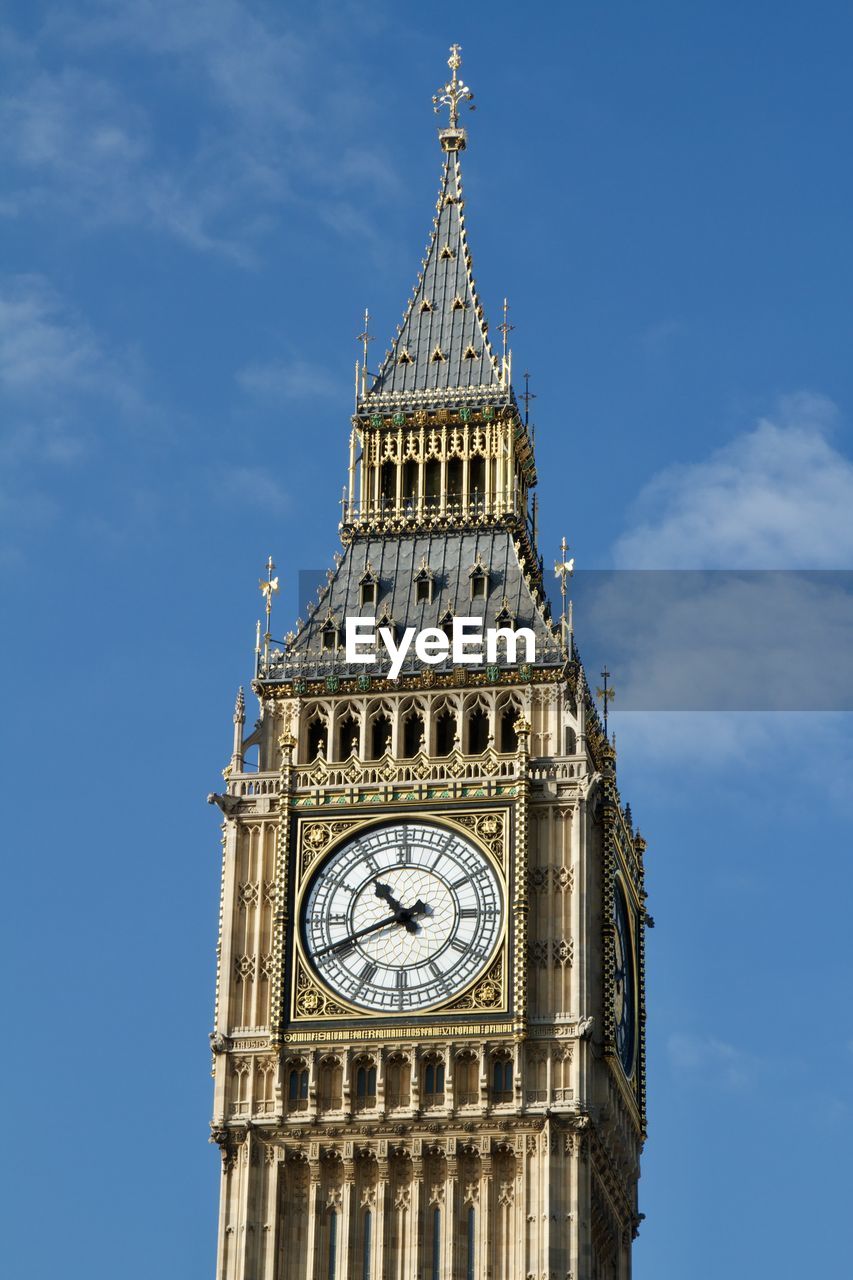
(706, 1060)
(86, 140)
(58, 379)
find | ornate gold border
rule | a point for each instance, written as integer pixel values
(311, 1001)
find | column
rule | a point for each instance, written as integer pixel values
(451, 1213)
(347, 1207)
(313, 1197)
(348, 514)
(466, 466)
(269, 1226)
(398, 489)
(381, 1214)
(443, 495)
(485, 1227)
(414, 1242)
(422, 474)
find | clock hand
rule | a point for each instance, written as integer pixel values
(384, 891)
(359, 933)
(401, 916)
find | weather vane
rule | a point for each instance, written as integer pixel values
(564, 568)
(455, 91)
(606, 695)
(268, 588)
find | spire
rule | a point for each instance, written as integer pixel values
(442, 346)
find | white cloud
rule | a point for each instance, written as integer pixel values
(736, 670)
(779, 496)
(710, 1061)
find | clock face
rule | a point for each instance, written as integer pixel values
(402, 917)
(623, 995)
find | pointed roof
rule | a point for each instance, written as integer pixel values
(442, 343)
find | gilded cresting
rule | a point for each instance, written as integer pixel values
(495, 1133)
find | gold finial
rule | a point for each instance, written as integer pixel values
(364, 338)
(451, 95)
(564, 568)
(268, 588)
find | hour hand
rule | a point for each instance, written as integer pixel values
(419, 909)
(384, 891)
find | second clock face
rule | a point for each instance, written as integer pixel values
(403, 917)
(623, 995)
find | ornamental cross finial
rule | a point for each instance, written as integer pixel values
(455, 91)
(606, 695)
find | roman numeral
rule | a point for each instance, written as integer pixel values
(367, 972)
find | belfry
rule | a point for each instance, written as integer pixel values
(428, 1046)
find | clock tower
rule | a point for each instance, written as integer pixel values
(428, 1047)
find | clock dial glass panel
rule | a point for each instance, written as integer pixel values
(623, 994)
(402, 917)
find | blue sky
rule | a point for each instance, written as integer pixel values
(197, 202)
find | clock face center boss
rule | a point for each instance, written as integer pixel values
(402, 917)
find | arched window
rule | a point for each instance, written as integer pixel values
(410, 482)
(433, 1090)
(330, 1085)
(477, 479)
(508, 737)
(571, 741)
(454, 479)
(365, 1086)
(297, 1088)
(413, 732)
(380, 736)
(398, 1075)
(318, 738)
(478, 731)
(466, 1080)
(348, 736)
(387, 484)
(502, 1080)
(368, 588)
(432, 484)
(445, 732)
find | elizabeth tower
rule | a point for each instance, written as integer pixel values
(429, 1032)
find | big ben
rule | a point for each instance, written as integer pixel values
(429, 1038)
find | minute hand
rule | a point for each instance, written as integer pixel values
(371, 928)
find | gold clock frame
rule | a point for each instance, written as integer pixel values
(318, 836)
